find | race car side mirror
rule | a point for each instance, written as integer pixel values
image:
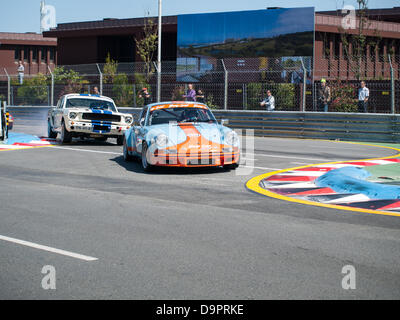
(224, 121)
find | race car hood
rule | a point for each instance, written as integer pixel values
(180, 132)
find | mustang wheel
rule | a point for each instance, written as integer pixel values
(120, 140)
(65, 135)
(127, 156)
(102, 139)
(146, 166)
(50, 133)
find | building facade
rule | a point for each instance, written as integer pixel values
(35, 51)
(91, 42)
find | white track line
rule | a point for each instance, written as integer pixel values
(49, 249)
(288, 157)
(86, 150)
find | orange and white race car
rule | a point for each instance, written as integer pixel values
(181, 134)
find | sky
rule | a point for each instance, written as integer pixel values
(24, 15)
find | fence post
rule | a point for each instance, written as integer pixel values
(392, 88)
(225, 86)
(52, 88)
(8, 87)
(134, 95)
(101, 79)
(303, 108)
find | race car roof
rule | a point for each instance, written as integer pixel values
(178, 104)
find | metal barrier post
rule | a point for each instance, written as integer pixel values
(303, 108)
(226, 86)
(52, 87)
(1, 121)
(134, 95)
(392, 88)
(101, 79)
(8, 86)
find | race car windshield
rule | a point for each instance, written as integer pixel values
(90, 103)
(167, 115)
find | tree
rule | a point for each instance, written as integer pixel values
(147, 45)
(110, 69)
(358, 41)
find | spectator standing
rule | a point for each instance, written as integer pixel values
(200, 96)
(21, 70)
(324, 96)
(145, 95)
(190, 94)
(363, 96)
(268, 102)
(96, 91)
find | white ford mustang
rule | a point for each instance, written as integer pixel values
(87, 115)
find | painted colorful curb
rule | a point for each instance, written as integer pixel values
(304, 185)
(18, 141)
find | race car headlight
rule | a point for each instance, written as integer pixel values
(231, 138)
(72, 115)
(128, 119)
(162, 140)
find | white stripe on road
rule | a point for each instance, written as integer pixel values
(288, 157)
(261, 168)
(49, 249)
(86, 150)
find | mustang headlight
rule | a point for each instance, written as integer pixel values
(231, 138)
(162, 140)
(72, 115)
(128, 119)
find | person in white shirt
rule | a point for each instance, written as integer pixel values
(363, 95)
(268, 102)
(21, 71)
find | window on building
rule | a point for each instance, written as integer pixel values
(52, 53)
(34, 54)
(26, 53)
(337, 40)
(43, 56)
(17, 53)
(326, 48)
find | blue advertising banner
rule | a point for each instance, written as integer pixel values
(274, 33)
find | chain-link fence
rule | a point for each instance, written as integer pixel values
(231, 84)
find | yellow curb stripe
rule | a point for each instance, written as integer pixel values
(254, 184)
(24, 148)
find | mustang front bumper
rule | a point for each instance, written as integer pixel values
(97, 128)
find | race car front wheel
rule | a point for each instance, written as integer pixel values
(120, 140)
(146, 166)
(127, 156)
(66, 136)
(50, 133)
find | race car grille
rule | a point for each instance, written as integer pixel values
(201, 162)
(101, 117)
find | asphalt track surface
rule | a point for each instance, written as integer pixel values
(183, 234)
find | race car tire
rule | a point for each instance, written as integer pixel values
(101, 139)
(232, 166)
(127, 156)
(146, 166)
(50, 133)
(120, 140)
(66, 136)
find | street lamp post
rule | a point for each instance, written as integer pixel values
(159, 53)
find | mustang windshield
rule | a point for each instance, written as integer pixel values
(160, 116)
(90, 103)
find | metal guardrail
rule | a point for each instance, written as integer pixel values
(312, 125)
(317, 125)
